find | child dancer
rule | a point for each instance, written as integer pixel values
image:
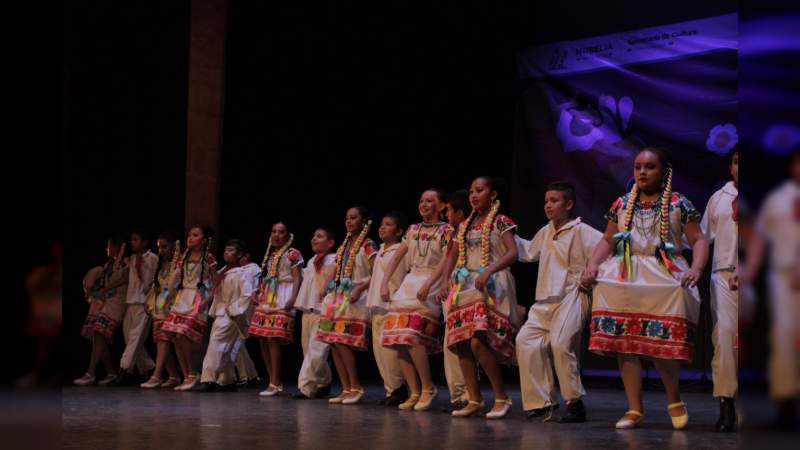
(555, 321)
(136, 323)
(458, 210)
(105, 290)
(719, 226)
(273, 320)
(187, 316)
(246, 370)
(645, 303)
(481, 305)
(314, 379)
(345, 314)
(412, 326)
(231, 298)
(157, 301)
(390, 232)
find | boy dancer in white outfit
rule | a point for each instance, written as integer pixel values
(552, 332)
(232, 297)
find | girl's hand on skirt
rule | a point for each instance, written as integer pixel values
(733, 281)
(589, 277)
(441, 294)
(480, 282)
(422, 293)
(690, 278)
(385, 292)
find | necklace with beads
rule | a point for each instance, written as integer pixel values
(428, 238)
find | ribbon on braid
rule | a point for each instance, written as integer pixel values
(623, 238)
(666, 249)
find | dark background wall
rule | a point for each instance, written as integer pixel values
(325, 107)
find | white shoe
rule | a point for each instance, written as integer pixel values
(625, 424)
(153, 382)
(425, 405)
(171, 382)
(502, 413)
(681, 421)
(353, 399)
(271, 391)
(473, 408)
(339, 398)
(189, 384)
(107, 380)
(85, 380)
(410, 402)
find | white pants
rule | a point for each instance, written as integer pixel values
(315, 372)
(784, 359)
(549, 338)
(135, 329)
(244, 364)
(452, 372)
(385, 357)
(725, 314)
(218, 364)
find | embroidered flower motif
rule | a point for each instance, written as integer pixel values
(655, 328)
(339, 327)
(608, 324)
(356, 329)
(390, 322)
(416, 322)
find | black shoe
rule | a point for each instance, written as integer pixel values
(727, 416)
(395, 398)
(546, 413)
(323, 392)
(575, 413)
(124, 378)
(207, 387)
(252, 383)
(787, 416)
(227, 387)
(300, 396)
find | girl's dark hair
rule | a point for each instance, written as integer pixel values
(441, 194)
(208, 233)
(118, 239)
(363, 212)
(167, 236)
(496, 184)
(459, 201)
(662, 153)
(400, 219)
(239, 244)
(284, 223)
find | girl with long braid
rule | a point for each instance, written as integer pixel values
(645, 299)
(344, 319)
(273, 321)
(189, 311)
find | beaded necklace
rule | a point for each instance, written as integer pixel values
(461, 273)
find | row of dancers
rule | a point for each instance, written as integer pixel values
(439, 286)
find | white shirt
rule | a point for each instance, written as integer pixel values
(138, 289)
(314, 283)
(232, 298)
(562, 256)
(720, 228)
(779, 225)
(385, 255)
(251, 272)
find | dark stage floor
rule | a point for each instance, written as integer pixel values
(131, 418)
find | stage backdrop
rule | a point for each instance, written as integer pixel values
(587, 105)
